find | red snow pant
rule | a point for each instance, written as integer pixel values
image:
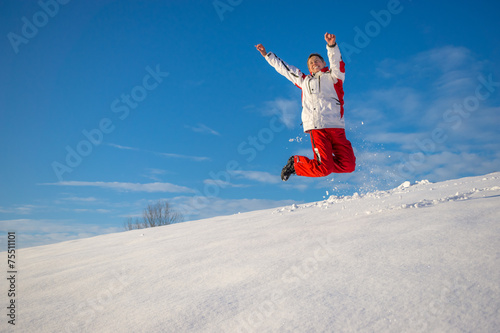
(332, 153)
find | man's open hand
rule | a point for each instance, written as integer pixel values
(330, 39)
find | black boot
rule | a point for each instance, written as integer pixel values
(288, 170)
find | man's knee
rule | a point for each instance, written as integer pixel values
(349, 166)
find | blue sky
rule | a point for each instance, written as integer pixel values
(109, 105)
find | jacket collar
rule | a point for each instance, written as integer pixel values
(323, 70)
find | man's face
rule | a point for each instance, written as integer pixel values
(315, 64)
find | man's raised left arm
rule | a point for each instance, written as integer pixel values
(337, 65)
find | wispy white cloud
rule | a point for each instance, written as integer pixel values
(132, 187)
(405, 140)
(451, 164)
(451, 61)
(20, 209)
(288, 110)
(80, 199)
(202, 128)
(424, 95)
(37, 232)
(87, 210)
(241, 175)
(186, 157)
(162, 154)
(258, 176)
(199, 207)
(122, 147)
(194, 83)
(155, 174)
(222, 183)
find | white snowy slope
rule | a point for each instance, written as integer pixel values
(419, 258)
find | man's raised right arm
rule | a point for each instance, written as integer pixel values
(292, 73)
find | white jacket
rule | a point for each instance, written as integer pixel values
(322, 92)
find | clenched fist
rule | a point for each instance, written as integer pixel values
(261, 49)
(330, 39)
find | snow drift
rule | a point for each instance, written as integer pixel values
(422, 257)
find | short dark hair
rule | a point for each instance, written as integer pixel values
(314, 55)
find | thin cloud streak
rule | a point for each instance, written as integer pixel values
(192, 158)
(259, 176)
(132, 187)
(161, 154)
(122, 147)
(204, 129)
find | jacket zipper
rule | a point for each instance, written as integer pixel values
(314, 111)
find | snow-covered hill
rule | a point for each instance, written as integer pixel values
(419, 258)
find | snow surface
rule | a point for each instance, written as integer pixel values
(422, 257)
